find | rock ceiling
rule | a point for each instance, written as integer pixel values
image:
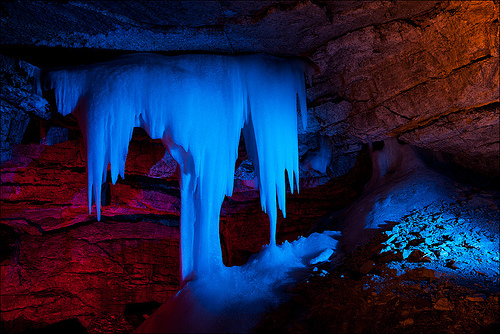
(426, 72)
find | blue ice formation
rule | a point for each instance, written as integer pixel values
(233, 299)
(197, 105)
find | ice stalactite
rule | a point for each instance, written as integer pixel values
(197, 105)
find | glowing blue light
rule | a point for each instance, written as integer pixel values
(197, 105)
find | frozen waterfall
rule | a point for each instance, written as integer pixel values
(197, 105)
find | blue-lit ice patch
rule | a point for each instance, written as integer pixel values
(399, 185)
(429, 220)
(265, 272)
(233, 298)
(456, 239)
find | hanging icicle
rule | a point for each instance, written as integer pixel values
(197, 105)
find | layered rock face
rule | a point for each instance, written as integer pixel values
(430, 79)
(424, 72)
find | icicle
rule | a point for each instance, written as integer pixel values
(271, 128)
(197, 105)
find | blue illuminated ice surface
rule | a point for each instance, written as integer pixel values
(434, 222)
(233, 299)
(198, 105)
(458, 239)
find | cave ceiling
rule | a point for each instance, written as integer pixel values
(426, 72)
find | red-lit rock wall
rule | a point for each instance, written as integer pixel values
(59, 262)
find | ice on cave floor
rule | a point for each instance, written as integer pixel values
(198, 105)
(324, 256)
(399, 184)
(233, 299)
(456, 239)
(432, 221)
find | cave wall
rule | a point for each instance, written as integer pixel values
(423, 72)
(430, 79)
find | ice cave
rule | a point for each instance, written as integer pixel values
(250, 166)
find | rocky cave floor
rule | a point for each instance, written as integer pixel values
(436, 270)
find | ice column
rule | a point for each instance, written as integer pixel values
(197, 105)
